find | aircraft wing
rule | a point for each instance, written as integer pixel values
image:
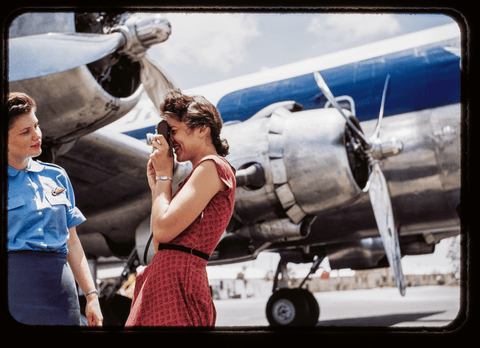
(108, 173)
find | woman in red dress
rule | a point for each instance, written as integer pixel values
(173, 289)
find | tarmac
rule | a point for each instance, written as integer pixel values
(423, 307)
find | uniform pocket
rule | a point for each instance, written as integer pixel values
(15, 202)
(57, 221)
(58, 200)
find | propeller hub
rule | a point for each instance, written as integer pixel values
(142, 32)
(381, 150)
(376, 185)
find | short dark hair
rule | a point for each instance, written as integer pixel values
(18, 104)
(195, 111)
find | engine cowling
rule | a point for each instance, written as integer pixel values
(72, 103)
(291, 165)
(78, 101)
(307, 167)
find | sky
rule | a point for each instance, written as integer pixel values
(206, 48)
(211, 47)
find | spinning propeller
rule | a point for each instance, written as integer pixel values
(57, 52)
(376, 186)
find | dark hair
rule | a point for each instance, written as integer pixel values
(18, 104)
(195, 111)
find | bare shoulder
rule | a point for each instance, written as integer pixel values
(207, 173)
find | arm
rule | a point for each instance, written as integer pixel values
(79, 265)
(172, 216)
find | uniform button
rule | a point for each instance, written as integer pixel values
(39, 230)
(39, 213)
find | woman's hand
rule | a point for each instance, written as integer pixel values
(79, 265)
(172, 216)
(151, 175)
(160, 161)
(92, 311)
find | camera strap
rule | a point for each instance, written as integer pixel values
(146, 248)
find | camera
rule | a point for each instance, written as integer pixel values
(164, 129)
(150, 138)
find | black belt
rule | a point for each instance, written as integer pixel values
(184, 249)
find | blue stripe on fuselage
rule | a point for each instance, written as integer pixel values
(421, 78)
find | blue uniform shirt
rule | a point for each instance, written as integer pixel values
(41, 208)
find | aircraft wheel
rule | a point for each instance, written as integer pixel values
(292, 307)
(314, 308)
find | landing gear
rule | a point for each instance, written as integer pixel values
(292, 307)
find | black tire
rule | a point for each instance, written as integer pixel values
(313, 308)
(288, 307)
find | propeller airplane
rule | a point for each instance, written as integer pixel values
(310, 183)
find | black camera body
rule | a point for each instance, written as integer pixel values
(164, 129)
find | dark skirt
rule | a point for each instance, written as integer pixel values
(41, 289)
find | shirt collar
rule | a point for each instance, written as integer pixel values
(33, 166)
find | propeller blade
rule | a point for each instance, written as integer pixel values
(382, 209)
(326, 91)
(376, 132)
(328, 94)
(57, 52)
(377, 188)
(155, 81)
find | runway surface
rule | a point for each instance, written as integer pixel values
(427, 307)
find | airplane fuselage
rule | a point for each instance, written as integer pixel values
(422, 110)
(424, 73)
(426, 77)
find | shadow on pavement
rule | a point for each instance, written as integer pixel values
(378, 321)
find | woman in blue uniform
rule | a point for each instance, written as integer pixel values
(45, 256)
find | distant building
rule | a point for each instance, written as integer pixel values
(242, 282)
(368, 279)
(244, 286)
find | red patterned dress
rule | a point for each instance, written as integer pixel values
(173, 289)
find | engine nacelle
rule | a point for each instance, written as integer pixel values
(73, 99)
(305, 163)
(277, 230)
(366, 253)
(76, 102)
